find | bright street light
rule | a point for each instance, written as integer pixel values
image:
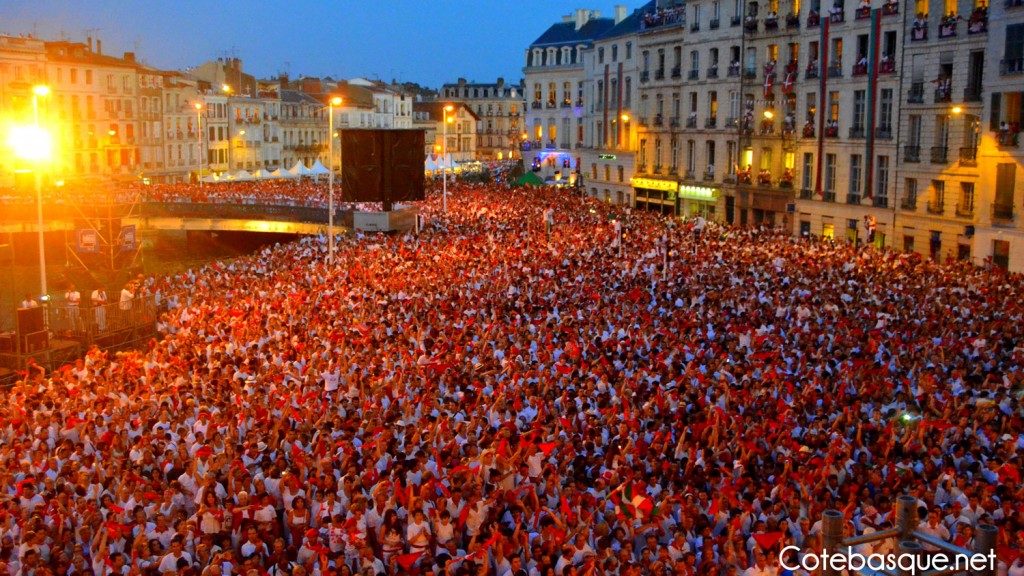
(226, 88)
(31, 143)
(446, 119)
(41, 90)
(957, 109)
(625, 117)
(331, 103)
(768, 114)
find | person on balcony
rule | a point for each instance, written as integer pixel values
(865, 5)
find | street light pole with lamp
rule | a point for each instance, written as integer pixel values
(334, 101)
(42, 154)
(444, 155)
(199, 136)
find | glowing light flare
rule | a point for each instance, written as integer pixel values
(41, 90)
(31, 143)
(336, 101)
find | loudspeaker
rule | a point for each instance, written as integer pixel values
(32, 329)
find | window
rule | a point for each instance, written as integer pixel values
(627, 92)
(828, 231)
(915, 130)
(966, 197)
(615, 52)
(629, 50)
(1004, 197)
(1013, 50)
(607, 173)
(643, 153)
(942, 130)
(730, 160)
(622, 174)
(882, 178)
(691, 156)
(859, 109)
(1001, 253)
(600, 55)
(856, 164)
(808, 171)
(885, 111)
(833, 106)
(830, 175)
(709, 157)
(657, 152)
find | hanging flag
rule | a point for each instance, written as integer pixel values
(769, 83)
(787, 84)
(767, 539)
(407, 560)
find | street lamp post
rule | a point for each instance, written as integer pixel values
(444, 156)
(37, 92)
(199, 137)
(334, 101)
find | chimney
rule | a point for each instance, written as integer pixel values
(129, 56)
(282, 79)
(88, 42)
(501, 82)
(581, 17)
(99, 46)
(620, 13)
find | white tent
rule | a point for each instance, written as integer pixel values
(319, 169)
(243, 175)
(300, 169)
(281, 173)
(211, 178)
(260, 174)
(430, 165)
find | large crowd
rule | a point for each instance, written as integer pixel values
(535, 384)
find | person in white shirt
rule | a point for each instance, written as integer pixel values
(99, 301)
(169, 563)
(127, 295)
(418, 533)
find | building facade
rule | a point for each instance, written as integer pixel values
(499, 107)
(461, 132)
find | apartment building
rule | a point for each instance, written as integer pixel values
(499, 106)
(462, 136)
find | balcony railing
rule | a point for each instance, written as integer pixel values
(969, 156)
(735, 21)
(919, 33)
(978, 22)
(943, 95)
(964, 211)
(693, 75)
(714, 24)
(676, 72)
(948, 28)
(645, 75)
(837, 17)
(857, 132)
(1007, 139)
(750, 73)
(835, 70)
(916, 93)
(713, 72)
(940, 155)
(674, 122)
(536, 105)
(852, 198)
(813, 19)
(883, 133)
(1002, 214)
(911, 153)
(880, 201)
(709, 175)
(792, 21)
(771, 24)
(860, 69)
(812, 72)
(711, 122)
(659, 74)
(936, 206)
(806, 193)
(658, 119)
(909, 203)
(734, 70)
(972, 94)
(750, 25)
(691, 122)
(887, 65)
(1011, 66)
(828, 196)
(891, 8)
(862, 13)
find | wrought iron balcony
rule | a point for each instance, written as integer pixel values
(911, 153)
(940, 155)
(969, 156)
(936, 206)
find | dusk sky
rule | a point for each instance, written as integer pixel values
(429, 42)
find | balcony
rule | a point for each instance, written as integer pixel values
(1011, 66)
(909, 203)
(911, 153)
(943, 94)
(673, 122)
(887, 65)
(714, 24)
(642, 120)
(947, 29)
(837, 17)
(645, 76)
(695, 27)
(750, 25)
(677, 72)
(1007, 138)
(771, 24)
(860, 69)
(969, 156)
(767, 128)
(935, 206)
(792, 21)
(806, 194)
(750, 73)
(659, 74)
(658, 120)
(857, 132)
(731, 122)
(891, 8)
(852, 198)
(735, 21)
(657, 169)
(808, 130)
(972, 94)
(536, 105)
(880, 201)
(883, 133)
(828, 196)
(835, 70)
(832, 131)
(689, 175)
(964, 211)
(693, 75)
(713, 72)
(566, 103)
(1013, 3)
(919, 33)
(978, 22)
(940, 155)
(813, 19)
(709, 175)
(1002, 214)
(552, 104)
(691, 122)
(734, 70)
(811, 72)
(711, 122)
(862, 13)
(916, 93)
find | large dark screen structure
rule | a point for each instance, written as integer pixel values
(382, 166)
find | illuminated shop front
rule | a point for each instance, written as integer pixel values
(672, 198)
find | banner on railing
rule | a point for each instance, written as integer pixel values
(88, 240)
(128, 238)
